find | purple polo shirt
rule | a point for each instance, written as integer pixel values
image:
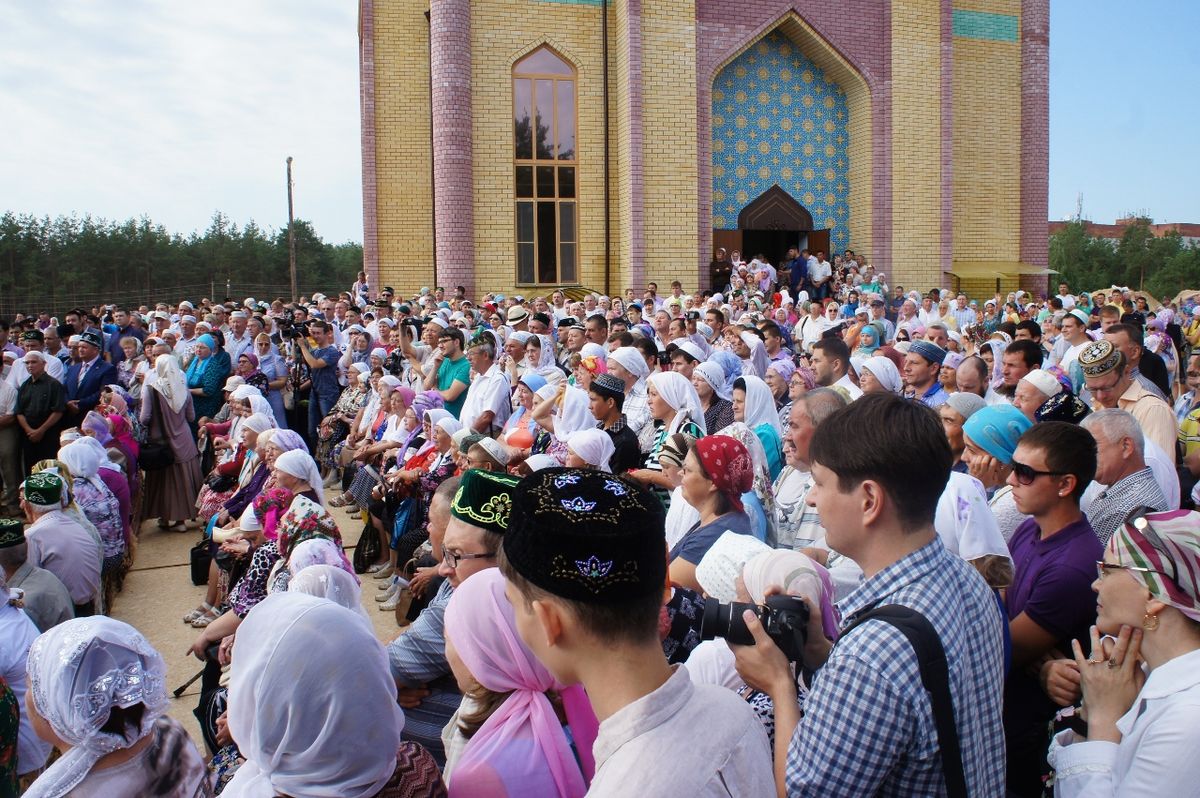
(1052, 584)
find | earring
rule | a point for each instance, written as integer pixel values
(1150, 622)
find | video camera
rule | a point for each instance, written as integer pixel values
(288, 328)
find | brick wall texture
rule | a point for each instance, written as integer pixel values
(947, 105)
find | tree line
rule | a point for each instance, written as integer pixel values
(1162, 265)
(54, 264)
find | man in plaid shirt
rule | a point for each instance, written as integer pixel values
(867, 725)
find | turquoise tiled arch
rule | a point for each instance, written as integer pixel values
(779, 119)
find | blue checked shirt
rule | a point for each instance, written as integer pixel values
(868, 724)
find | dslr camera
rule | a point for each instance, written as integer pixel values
(784, 618)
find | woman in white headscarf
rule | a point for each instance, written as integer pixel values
(540, 358)
(674, 407)
(99, 694)
(753, 353)
(708, 378)
(754, 405)
(297, 471)
(300, 737)
(590, 448)
(880, 375)
(100, 506)
(328, 582)
(562, 412)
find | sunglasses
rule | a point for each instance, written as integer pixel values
(1027, 474)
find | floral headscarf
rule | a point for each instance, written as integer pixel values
(305, 520)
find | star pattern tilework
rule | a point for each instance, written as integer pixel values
(778, 119)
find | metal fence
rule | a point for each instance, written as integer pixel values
(58, 299)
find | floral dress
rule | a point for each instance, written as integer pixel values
(352, 399)
(100, 506)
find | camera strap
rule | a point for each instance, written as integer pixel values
(935, 677)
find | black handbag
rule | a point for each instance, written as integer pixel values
(221, 483)
(155, 456)
(368, 550)
(200, 558)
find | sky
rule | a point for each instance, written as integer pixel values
(175, 110)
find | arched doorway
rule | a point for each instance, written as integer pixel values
(773, 222)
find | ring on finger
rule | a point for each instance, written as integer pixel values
(1112, 663)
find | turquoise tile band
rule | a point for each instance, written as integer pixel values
(983, 25)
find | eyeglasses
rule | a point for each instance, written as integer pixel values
(1027, 474)
(452, 560)
(1103, 567)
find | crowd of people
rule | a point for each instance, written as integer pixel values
(803, 534)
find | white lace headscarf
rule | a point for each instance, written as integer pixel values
(328, 582)
(312, 703)
(79, 671)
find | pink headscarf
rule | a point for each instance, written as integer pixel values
(123, 435)
(502, 758)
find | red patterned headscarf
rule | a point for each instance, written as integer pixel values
(728, 464)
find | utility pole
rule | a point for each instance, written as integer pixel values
(291, 234)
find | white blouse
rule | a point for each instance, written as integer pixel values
(1159, 740)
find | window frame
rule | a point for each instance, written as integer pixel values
(557, 164)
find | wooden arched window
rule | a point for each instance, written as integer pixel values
(544, 123)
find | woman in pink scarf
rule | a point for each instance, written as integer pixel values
(521, 748)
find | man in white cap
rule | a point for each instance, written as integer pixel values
(1034, 390)
(518, 318)
(238, 342)
(1074, 330)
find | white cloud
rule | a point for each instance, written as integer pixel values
(175, 110)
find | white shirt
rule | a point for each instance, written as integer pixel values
(1159, 740)
(8, 398)
(488, 391)
(686, 740)
(927, 317)
(850, 387)
(17, 634)
(819, 270)
(1068, 301)
(18, 373)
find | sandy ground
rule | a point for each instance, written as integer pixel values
(159, 592)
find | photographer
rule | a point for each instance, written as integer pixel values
(321, 357)
(868, 724)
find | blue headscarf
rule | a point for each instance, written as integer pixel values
(731, 364)
(867, 350)
(997, 429)
(196, 369)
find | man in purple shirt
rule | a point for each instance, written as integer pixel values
(1050, 601)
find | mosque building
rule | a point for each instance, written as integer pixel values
(512, 145)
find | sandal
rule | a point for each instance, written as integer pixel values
(203, 609)
(205, 619)
(341, 501)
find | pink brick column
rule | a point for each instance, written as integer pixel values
(947, 237)
(1035, 138)
(632, 49)
(366, 98)
(453, 184)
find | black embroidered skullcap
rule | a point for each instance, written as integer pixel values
(587, 536)
(91, 337)
(609, 387)
(1063, 406)
(484, 499)
(12, 532)
(32, 335)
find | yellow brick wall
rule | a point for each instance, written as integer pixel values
(502, 32)
(987, 143)
(669, 140)
(916, 142)
(403, 161)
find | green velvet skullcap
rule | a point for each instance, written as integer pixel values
(484, 499)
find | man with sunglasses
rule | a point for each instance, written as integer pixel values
(1049, 603)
